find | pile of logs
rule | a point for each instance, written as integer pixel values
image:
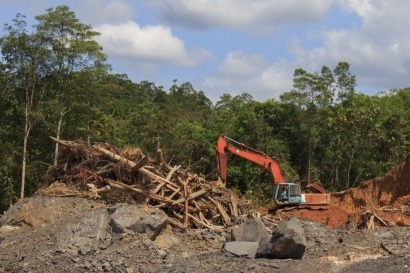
(370, 220)
(110, 175)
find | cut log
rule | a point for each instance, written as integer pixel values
(224, 216)
(186, 207)
(131, 164)
(158, 188)
(199, 222)
(234, 206)
(69, 144)
(95, 192)
(194, 165)
(192, 196)
(156, 197)
(139, 164)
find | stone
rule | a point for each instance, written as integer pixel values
(166, 241)
(251, 230)
(139, 219)
(241, 248)
(287, 241)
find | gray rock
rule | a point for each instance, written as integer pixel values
(287, 241)
(251, 230)
(90, 229)
(139, 219)
(241, 248)
(84, 250)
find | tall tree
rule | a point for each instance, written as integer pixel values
(312, 94)
(71, 48)
(334, 127)
(24, 55)
(10, 141)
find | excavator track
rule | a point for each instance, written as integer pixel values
(298, 207)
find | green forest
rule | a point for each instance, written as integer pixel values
(55, 81)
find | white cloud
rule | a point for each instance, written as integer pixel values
(253, 15)
(239, 64)
(377, 50)
(147, 44)
(253, 74)
(97, 12)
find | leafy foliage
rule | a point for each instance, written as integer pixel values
(56, 78)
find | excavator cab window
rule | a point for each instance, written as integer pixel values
(295, 190)
(288, 193)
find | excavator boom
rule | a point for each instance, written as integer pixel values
(248, 153)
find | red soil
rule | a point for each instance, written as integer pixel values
(388, 197)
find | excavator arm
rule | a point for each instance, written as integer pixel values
(293, 195)
(226, 144)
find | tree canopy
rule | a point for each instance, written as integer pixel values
(54, 81)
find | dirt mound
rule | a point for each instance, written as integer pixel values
(332, 216)
(387, 197)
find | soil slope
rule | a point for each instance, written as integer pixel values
(388, 197)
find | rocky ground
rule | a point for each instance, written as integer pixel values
(64, 229)
(40, 234)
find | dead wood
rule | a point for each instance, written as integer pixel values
(224, 216)
(145, 194)
(131, 164)
(110, 175)
(368, 220)
(383, 246)
(196, 164)
(139, 164)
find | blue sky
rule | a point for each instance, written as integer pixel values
(237, 46)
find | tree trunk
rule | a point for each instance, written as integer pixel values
(349, 169)
(25, 144)
(23, 166)
(60, 122)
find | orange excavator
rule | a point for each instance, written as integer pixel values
(285, 193)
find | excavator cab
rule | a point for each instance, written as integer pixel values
(287, 194)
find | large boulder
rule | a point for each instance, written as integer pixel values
(139, 219)
(89, 230)
(251, 230)
(101, 227)
(245, 238)
(287, 241)
(42, 211)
